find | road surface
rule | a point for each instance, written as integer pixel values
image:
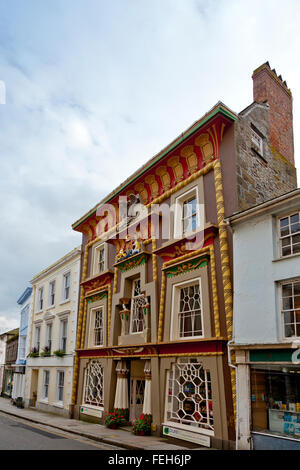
(19, 434)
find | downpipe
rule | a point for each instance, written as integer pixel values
(237, 394)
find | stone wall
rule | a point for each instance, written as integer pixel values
(259, 177)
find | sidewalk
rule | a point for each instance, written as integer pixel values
(118, 437)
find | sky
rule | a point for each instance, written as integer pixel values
(95, 88)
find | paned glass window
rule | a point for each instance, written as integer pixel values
(138, 301)
(46, 383)
(189, 399)
(60, 385)
(189, 215)
(98, 328)
(190, 316)
(291, 308)
(93, 393)
(290, 234)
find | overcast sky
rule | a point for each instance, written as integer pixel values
(95, 88)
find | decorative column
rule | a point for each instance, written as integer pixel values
(124, 315)
(147, 394)
(121, 397)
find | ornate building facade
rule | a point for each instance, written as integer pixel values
(155, 311)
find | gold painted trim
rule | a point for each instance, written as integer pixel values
(115, 280)
(154, 260)
(215, 291)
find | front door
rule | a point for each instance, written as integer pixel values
(137, 390)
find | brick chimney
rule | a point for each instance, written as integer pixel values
(268, 87)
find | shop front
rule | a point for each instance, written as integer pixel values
(275, 401)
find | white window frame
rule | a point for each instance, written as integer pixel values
(93, 313)
(175, 322)
(49, 327)
(97, 249)
(40, 299)
(174, 424)
(281, 284)
(61, 331)
(132, 318)
(45, 372)
(22, 347)
(37, 337)
(192, 193)
(63, 293)
(58, 372)
(290, 235)
(89, 366)
(50, 303)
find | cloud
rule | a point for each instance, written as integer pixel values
(95, 89)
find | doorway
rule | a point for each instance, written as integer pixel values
(137, 390)
(34, 386)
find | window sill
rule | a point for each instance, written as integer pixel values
(58, 404)
(285, 257)
(64, 301)
(45, 400)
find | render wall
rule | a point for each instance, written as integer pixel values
(257, 271)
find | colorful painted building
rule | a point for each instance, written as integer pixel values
(266, 339)
(155, 311)
(49, 368)
(25, 303)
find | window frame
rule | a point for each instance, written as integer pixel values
(49, 327)
(282, 311)
(45, 372)
(40, 299)
(37, 344)
(290, 235)
(191, 428)
(50, 294)
(58, 386)
(85, 403)
(62, 338)
(178, 231)
(131, 332)
(175, 314)
(100, 247)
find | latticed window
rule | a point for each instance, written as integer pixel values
(189, 215)
(291, 308)
(190, 316)
(189, 400)
(290, 234)
(93, 393)
(138, 301)
(98, 328)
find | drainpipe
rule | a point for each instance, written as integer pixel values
(237, 394)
